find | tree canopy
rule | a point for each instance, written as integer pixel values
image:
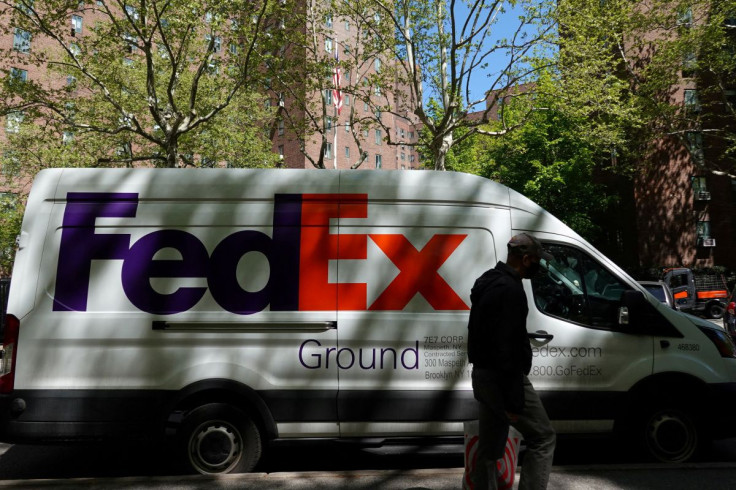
(158, 81)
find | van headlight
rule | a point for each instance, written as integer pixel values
(721, 340)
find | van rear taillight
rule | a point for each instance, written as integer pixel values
(731, 308)
(10, 353)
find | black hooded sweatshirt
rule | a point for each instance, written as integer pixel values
(497, 338)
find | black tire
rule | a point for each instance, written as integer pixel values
(670, 435)
(218, 438)
(715, 310)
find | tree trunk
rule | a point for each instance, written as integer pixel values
(440, 150)
(172, 153)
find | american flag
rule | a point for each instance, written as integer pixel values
(336, 93)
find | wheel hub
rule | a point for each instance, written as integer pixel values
(671, 437)
(214, 448)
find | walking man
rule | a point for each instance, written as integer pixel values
(499, 349)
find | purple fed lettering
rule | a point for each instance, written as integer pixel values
(80, 245)
(140, 267)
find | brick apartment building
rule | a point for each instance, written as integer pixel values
(386, 137)
(341, 152)
(685, 195)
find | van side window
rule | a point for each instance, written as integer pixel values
(578, 289)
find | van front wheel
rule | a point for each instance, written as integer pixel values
(218, 438)
(671, 435)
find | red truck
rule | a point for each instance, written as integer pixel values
(704, 294)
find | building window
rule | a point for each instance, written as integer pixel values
(281, 127)
(689, 64)
(365, 133)
(379, 161)
(328, 150)
(347, 153)
(18, 75)
(692, 102)
(132, 12)
(702, 230)
(347, 26)
(281, 152)
(215, 42)
(328, 20)
(76, 25)
(401, 133)
(281, 99)
(377, 64)
(328, 124)
(377, 91)
(411, 135)
(347, 127)
(130, 42)
(346, 100)
(328, 44)
(379, 137)
(71, 80)
(695, 145)
(411, 158)
(21, 40)
(700, 189)
(685, 18)
(328, 96)
(365, 106)
(403, 157)
(13, 122)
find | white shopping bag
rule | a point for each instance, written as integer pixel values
(506, 465)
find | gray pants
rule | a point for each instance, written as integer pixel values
(493, 429)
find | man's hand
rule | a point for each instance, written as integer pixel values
(513, 417)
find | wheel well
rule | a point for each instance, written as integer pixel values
(677, 388)
(222, 391)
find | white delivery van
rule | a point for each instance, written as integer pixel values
(231, 308)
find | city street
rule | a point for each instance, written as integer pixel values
(579, 464)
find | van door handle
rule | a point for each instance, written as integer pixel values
(540, 335)
(244, 327)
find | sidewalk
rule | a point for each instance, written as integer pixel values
(713, 476)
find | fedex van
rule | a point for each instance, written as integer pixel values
(226, 309)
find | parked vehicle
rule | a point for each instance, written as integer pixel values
(661, 291)
(704, 294)
(229, 308)
(729, 316)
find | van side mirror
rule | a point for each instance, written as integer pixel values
(632, 306)
(637, 316)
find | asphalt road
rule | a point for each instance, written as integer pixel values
(594, 463)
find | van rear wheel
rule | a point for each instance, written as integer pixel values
(218, 438)
(670, 435)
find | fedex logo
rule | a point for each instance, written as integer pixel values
(298, 252)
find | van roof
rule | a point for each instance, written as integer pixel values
(262, 184)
